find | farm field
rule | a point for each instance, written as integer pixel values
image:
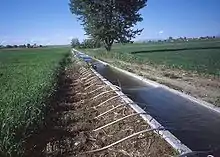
(191, 67)
(202, 57)
(27, 79)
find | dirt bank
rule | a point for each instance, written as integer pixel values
(206, 88)
(72, 126)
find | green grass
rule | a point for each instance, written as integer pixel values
(149, 47)
(201, 61)
(202, 57)
(27, 80)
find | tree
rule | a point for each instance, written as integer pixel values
(87, 43)
(170, 38)
(9, 46)
(75, 42)
(90, 43)
(109, 21)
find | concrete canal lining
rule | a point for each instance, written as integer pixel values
(195, 123)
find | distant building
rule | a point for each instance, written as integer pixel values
(35, 46)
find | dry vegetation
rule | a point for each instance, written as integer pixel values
(77, 112)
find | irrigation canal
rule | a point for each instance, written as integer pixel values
(193, 124)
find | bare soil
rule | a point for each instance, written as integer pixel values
(200, 86)
(69, 129)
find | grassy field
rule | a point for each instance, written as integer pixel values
(27, 80)
(198, 56)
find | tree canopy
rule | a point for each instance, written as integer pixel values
(109, 21)
(75, 42)
(90, 43)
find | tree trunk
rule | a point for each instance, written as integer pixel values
(108, 44)
(108, 47)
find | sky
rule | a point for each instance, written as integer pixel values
(51, 22)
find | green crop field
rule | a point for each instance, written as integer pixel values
(198, 56)
(27, 80)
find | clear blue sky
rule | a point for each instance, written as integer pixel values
(50, 21)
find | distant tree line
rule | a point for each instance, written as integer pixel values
(21, 46)
(87, 43)
(182, 39)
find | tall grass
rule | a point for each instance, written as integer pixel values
(27, 80)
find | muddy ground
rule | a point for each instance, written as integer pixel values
(203, 87)
(75, 114)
